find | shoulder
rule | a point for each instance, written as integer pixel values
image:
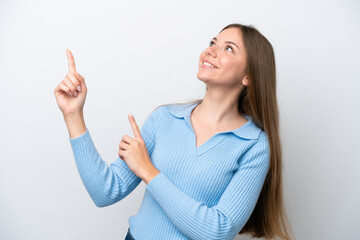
(258, 144)
(175, 109)
(263, 137)
(261, 146)
(159, 111)
(262, 142)
(258, 153)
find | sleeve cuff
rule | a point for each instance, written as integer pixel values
(83, 144)
(157, 185)
(86, 132)
(165, 192)
(158, 179)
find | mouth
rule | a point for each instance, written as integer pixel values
(206, 64)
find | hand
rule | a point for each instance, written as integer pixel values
(134, 152)
(71, 92)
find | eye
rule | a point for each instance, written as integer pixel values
(228, 46)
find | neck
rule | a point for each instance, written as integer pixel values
(219, 107)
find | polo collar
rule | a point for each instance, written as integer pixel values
(249, 130)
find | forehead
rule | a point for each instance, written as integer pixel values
(230, 34)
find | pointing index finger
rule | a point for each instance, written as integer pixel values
(71, 61)
(134, 126)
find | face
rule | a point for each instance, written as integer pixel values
(224, 61)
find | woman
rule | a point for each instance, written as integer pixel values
(212, 167)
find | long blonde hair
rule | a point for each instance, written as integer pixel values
(258, 100)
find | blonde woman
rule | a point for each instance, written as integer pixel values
(212, 167)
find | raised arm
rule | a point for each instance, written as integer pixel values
(70, 96)
(105, 184)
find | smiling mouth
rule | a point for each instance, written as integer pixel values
(208, 64)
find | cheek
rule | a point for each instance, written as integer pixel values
(230, 64)
(234, 68)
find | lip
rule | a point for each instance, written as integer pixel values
(205, 66)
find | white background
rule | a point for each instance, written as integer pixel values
(136, 55)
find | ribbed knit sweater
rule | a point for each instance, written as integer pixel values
(205, 192)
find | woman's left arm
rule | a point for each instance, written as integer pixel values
(224, 220)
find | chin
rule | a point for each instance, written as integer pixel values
(204, 78)
(201, 78)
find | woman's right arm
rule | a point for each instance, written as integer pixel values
(105, 184)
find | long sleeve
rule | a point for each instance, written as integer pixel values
(224, 220)
(105, 184)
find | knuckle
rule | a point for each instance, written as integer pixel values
(63, 86)
(66, 80)
(69, 74)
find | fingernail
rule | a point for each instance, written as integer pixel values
(78, 88)
(70, 93)
(130, 115)
(75, 93)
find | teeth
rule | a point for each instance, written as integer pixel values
(208, 64)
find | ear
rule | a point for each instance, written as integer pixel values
(245, 81)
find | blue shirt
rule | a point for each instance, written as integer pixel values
(206, 192)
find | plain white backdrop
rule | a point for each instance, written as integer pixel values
(136, 55)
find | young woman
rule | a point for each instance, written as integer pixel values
(212, 167)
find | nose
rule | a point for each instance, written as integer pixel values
(211, 51)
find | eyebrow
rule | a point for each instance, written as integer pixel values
(227, 42)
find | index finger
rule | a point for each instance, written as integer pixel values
(71, 61)
(134, 126)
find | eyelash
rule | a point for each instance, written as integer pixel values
(228, 46)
